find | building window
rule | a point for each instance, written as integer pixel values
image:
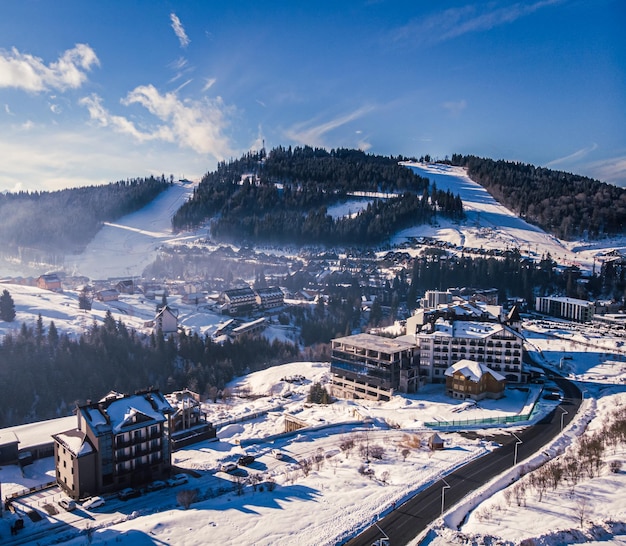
(64, 464)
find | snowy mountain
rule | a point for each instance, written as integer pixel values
(336, 499)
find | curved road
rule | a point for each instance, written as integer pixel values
(405, 523)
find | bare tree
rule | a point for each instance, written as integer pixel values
(347, 445)
(519, 490)
(405, 453)
(555, 471)
(186, 497)
(305, 465)
(582, 509)
(239, 483)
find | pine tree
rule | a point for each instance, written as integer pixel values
(7, 307)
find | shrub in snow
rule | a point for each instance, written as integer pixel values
(187, 497)
(615, 466)
(377, 452)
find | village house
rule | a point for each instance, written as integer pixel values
(189, 422)
(126, 286)
(193, 298)
(50, 282)
(120, 441)
(166, 320)
(469, 379)
(109, 294)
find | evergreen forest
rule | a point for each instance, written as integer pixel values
(45, 374)
(283, 197)
(567, 205)
(66, 220)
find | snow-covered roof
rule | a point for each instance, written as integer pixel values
(469, 329)
(375, 343)
(119, 412)
(472, 370)
(34, 434)
(75, 441)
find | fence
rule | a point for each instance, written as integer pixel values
(28, 491)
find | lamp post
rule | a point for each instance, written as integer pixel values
(516, 444)
(443, 494)
(563, 414)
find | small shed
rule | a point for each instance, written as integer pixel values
(435, 442)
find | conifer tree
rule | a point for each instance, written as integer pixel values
(7, 307)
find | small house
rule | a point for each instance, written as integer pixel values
(126, 286)
(50, 282)
(110, 294)
(469, 379)
(435, 442)
(166, 320)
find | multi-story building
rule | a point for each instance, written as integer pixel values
(443, 343)
(567, 308)
(238, 300)
(372, 367)
(120, 441)
(267, 298)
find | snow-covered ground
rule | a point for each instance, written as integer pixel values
(334, 500)
(490, 225)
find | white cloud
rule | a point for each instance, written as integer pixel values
(55, 108)
(179, 30)
(364, 145)
(7, 109)
(24, 71)
(309, 134)
(259, 142)
(611, 170)
(208, 84)
(454, 22)
(573, 157)
(455, 108)
(198, 125)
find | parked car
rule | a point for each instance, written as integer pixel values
(67, 503)
(128, 493)
(93, 502)
(156, 485)
(278, 454)
(245, 460)
(178, 479)
(228, 467)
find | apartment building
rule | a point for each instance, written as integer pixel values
(443, 343)
(372, 367)
(566, 308)
(120, 441)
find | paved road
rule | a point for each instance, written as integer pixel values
(410, 519)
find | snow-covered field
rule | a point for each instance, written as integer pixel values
(334, 500)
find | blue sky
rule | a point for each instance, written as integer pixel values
(93, 92)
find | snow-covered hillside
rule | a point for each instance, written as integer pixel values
(490, 225)
(335, 500)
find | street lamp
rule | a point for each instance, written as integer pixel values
(443, 494)
(516, 444)
(563, 415)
